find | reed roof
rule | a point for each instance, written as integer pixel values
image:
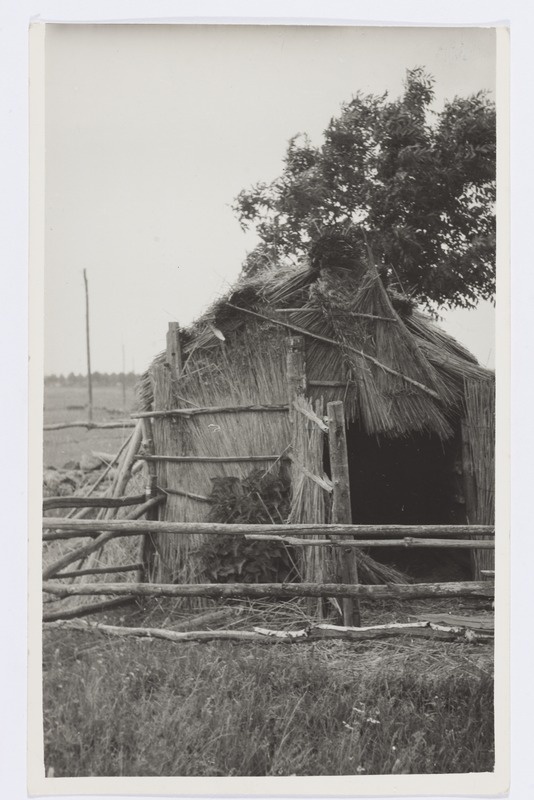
(400, 373)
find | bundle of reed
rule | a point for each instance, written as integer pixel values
(480, 425)
(374, 572)
(309, 500)
(240, 372)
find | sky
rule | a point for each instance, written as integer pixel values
(153, 130)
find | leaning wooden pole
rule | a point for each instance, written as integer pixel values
(341, 508)
(88, 343)
(95, 544)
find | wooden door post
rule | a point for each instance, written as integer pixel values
(341, 508)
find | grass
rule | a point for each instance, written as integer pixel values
(136, 707)
(69, 444)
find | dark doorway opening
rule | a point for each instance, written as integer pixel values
(408, 481)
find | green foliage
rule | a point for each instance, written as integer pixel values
(260, 497)
(418, 185)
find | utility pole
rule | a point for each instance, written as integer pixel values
(123, 380)
(89, 377)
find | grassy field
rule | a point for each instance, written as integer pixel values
(129, 707)
(68, 404)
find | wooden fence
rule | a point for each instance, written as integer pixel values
(464, 536)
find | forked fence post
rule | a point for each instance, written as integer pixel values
(341, 507)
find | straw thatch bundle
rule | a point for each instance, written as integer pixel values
(310, 501)
(480, 430)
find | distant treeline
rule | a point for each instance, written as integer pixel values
(99, 379)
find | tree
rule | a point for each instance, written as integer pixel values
(417, 185)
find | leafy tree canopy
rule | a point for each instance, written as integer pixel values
(418, 186)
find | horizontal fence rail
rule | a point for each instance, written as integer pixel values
(70, 528)
(429, 630)
(70, 501)
(407, 541)
(100, 570)
(210, 459)
(195, 412)
(58, 426)
(226, 590)
(202, 498)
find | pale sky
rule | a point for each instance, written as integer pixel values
(152, 131)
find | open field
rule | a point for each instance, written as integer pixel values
(68, 404)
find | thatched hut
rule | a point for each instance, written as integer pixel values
(419, 409)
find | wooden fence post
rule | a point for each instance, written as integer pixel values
(341, 508)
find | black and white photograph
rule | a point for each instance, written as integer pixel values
(268, 396)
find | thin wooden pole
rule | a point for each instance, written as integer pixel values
(68, 501)
(87, 608)
(58, 426)
(341, 507)
(193, 412)
(427, 630)
(444, 544)
(75, 555)
(88, 342)
(76, 573)
(212, 459)
(87, 526)
(386, 591)
(123, 380)
(125, 467)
